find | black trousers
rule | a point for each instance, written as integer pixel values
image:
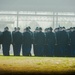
(26, 49)
(6, 49)
(16, 49)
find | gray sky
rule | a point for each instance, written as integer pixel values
(38, 5)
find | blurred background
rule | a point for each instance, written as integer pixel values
(36, 13)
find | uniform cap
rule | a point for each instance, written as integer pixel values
(6, 28)
(40, 28)
(36, 28)
(51, 28)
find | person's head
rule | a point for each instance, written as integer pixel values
(18, 28)
(6, 29)
(40, 29)
(27, 29)
(46, 30)
(37, 29)
(15, 28)
(50, 29)
(63, 28)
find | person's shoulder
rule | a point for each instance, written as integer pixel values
(20, 32)
(3, 31)
(9, 31)
(42, 33)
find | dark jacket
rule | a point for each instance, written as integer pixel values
(72, 37)
(34, 37)
(50, 38)
(40, 38)
(62, 38)
(27, 38)
(6, 37)
(17, 38)
(13, 35)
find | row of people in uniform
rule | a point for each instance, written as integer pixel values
(61, 42)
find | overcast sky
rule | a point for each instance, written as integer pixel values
(36, 5)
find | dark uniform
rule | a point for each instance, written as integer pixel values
(68, 52)
(34, 41)
(40, 40)
(13, 35)
(31, 34)
(45, 45)
(56, 51)
(27, 42)
(72, 37)
(51, 43)
(6, 41)
(62, 41)
(17, 41)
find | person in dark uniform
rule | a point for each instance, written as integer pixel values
(15, 29)
(45, 45)
(40, 41)
(58, 39)
(56, 51)
(27, 42)
(50, 42)
(6, 41)
(62, 41)
(34, 41)
(29, 30)
(72, 37)
(17, 41)
(70, 33)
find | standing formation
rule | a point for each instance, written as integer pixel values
(60, 42)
